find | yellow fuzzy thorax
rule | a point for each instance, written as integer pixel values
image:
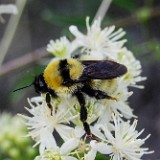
(75, 67)
(54, 80)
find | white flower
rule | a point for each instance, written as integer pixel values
(132, 77)
(91, 155)
(105, 42)
(61, 48)
(117, 89)
(119, 139)
(110, 107)
(60, 153)
(8, 9)
(92, 109)
(42, 123)
(122, 142)
(10, 123)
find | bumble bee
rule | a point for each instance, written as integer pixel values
(72, 77)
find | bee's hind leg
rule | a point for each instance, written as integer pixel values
(98, 94)
(83, 116)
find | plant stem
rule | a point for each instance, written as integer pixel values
(10, 30)
(102, 10)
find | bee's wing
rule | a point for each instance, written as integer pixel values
(102, 70)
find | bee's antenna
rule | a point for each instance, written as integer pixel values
(23, 87)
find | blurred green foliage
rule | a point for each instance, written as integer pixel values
(61, 20)
(101, 157)
(154, 47)
(143, 14)
(124, 4)
(13, 144)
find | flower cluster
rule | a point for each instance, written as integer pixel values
(60, 135)
(11, 140)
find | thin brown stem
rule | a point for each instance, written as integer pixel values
(23, 60)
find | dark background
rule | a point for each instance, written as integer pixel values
(44, 20)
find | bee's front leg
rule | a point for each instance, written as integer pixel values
(48, 101)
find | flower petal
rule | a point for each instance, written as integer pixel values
(64, 131)
(69, 145)
(101, 147)
(91, 155)
(79, 131)
(46, 141)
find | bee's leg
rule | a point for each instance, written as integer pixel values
(83, 116)
(48, 101)
(98, 94)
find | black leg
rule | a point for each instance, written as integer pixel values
(98, 94)
(48, 101)
(83, 116)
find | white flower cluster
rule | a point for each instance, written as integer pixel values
(61, 136)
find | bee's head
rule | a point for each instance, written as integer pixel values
(39, 84)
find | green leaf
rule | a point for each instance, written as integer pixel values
(61, 20)
(101, 157)
(126, 4)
